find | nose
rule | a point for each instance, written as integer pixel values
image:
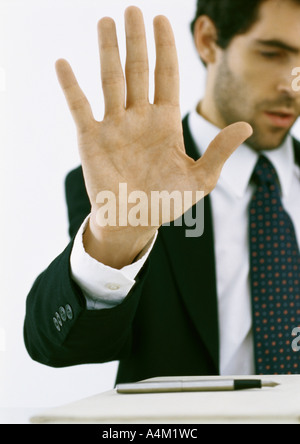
(286, 86)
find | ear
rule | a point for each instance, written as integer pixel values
(205, 37)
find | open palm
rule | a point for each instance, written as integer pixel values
(141, 143)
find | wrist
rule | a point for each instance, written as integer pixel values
(115, 247)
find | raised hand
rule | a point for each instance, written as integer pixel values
(137, 142)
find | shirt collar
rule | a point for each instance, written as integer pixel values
(238, 169)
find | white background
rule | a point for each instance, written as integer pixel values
(38, 148)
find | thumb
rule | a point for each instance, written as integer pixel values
(209, 167)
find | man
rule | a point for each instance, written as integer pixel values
(159, 302)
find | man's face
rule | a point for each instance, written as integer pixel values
(253, 76)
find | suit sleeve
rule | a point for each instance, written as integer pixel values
(58, 329)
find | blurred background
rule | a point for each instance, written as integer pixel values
(38, 148)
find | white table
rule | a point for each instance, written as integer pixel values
(267, 406)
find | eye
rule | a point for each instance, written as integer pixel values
(271, 55)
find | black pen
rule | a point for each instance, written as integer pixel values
(194, 386)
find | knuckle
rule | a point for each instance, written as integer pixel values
(111, 78)
(78, 103)
(137, 67)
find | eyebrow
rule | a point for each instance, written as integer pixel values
(279, 44)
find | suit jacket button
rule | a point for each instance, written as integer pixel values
(55, 321)
(58, 319)
(62, 313)
(69, 311)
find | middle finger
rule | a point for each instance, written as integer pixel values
(137, 65)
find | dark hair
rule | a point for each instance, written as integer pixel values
(231, 17)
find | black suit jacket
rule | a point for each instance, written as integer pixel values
(167, 325)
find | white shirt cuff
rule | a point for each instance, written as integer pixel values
(103, 287)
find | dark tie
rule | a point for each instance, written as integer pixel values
(275, 276)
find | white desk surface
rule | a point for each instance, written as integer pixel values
(267, 406)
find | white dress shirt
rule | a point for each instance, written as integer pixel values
(105, 287)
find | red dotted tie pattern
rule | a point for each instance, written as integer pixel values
(275, 276)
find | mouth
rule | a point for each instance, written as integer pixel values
(281, 118)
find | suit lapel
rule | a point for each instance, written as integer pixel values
(297, 151)
(193, 264)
